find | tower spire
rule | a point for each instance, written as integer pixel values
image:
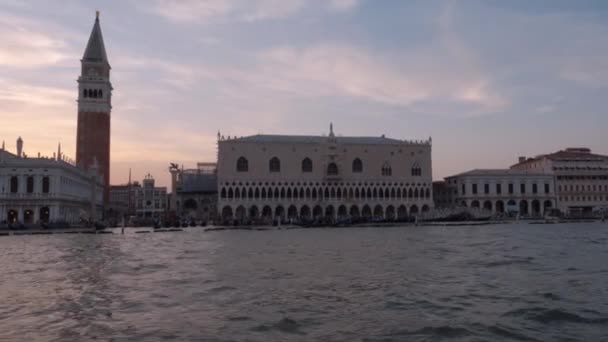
(96, 50)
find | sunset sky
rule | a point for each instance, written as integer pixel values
(488, 80)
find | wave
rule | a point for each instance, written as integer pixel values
(547, 316)
(286, 325)
(443, 331)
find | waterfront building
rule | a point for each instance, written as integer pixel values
(150, 201)
(46, 190)
(194, 192)
(267, 177)
(122, 201)
(500, 191)
(581, 178)
(94, 107)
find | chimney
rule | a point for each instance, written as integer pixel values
(522, 159)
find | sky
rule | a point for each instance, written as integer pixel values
(488, 80)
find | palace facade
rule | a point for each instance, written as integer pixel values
(279, 177)
(47, 190)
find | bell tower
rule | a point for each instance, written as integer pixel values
(94, 108)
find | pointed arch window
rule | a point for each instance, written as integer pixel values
(306, 165)
(332, 169)
(242, 164)
(416, 170)
(274, 165)
(357, 165)
(84, 93)
(100, 93)
(386, 169)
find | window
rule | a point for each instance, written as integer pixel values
(30, 184)
(522, 188)
(416, 170)
(386, 169)
(547, 188)
(84, 93)
(100, 93)
(534, 188)
(511, 188)
(464, 189)
(357, 166)
(14, 184)
(274, 165)
(46, 185)
(474, 189)
(242, 165)
(332, 169)
(499, 188)
(486, 189)
(306, 165)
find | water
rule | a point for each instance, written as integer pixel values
(506, 282)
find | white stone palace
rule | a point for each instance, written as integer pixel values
(46, 190)
(270, 177)
(499, 191)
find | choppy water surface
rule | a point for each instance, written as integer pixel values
(510, 282)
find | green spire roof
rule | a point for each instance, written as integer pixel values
(95, 51)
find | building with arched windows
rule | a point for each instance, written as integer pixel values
(46, 190)
(262, 178)
(498, 192)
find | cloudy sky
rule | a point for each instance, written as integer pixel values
(488, 80)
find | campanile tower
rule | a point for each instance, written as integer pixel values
(94, 107)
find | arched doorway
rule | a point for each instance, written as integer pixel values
(414, 210)
(279, 213)
(292, 212)
(241, 213)
(366, 212)
(12, 216)
(317, 212)
(487, 205)
(425, 208)
(512, 206)
(28, 216)
(500, 207)
(547, 205)
(266, 213)
(354, 212)
(330, 212)
(378, 212)
(463, 204)
(45, 214)
(305, 212)
(536, 208)
(227, 213)
(254, 212)
(401, 212)
(523, 207)
(342, 212)
(390, 213)
(475, 204)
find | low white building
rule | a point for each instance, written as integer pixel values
(46, 190)
(500, 191)
(266, 177)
